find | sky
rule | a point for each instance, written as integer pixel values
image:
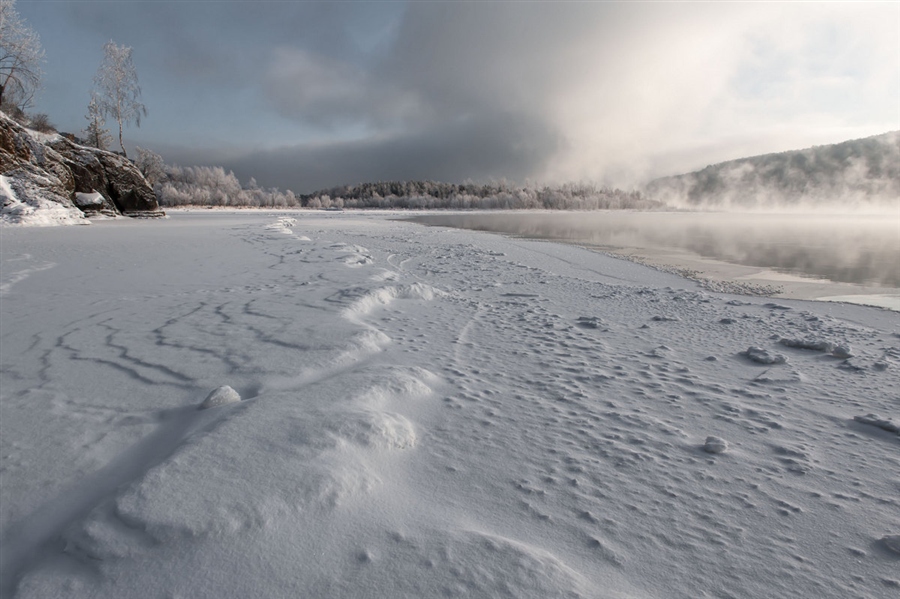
(307, 95)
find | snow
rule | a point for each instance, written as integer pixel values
(37, 211)
(402, 411)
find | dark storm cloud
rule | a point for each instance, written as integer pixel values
(446, 61)
(467, 90)
(490, 146)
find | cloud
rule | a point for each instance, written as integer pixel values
(488, 147)
(328, 93)
(610, 92)
(620, 89)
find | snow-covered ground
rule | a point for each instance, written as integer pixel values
(428, 412)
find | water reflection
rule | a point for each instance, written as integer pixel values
(861, 249)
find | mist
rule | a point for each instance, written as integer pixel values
(860, 175)
(859, 249)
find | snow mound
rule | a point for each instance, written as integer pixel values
(762, 356)
(383, 296)
(219, 397)
(876, 420)
(398, 382)
(374, 430)
(282, 225)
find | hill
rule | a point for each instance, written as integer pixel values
(858, 173)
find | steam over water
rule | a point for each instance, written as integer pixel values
(858, 249)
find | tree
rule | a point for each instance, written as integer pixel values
(119, 92)
(20, 58)
(96, 134)
(151, 166)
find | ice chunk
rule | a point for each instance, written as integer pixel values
(715, 445)
(762, 356)
(811, 344)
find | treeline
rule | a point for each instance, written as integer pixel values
(212, 186)
(215, 187)
(431, 195)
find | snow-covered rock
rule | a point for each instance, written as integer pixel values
(44, 173)
(219, 397)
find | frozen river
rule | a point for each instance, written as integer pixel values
(427, 412)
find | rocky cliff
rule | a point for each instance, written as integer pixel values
(48, 179)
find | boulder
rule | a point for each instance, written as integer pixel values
(110, 174)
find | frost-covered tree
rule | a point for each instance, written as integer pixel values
(118, 89)
(151, 166)
(20, 58)
(96, 134)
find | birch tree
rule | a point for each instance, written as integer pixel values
(119, 94)
(20, 57)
